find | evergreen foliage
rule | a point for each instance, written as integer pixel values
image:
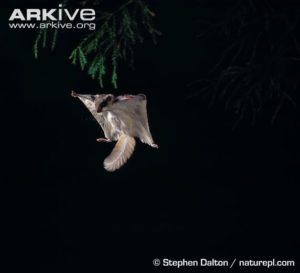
(113, 41)
(256, 68)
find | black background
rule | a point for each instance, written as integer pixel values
(208, 192)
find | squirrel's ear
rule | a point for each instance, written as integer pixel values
(143, 96)
(109, 98)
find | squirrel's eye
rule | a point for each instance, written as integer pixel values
(93, 97)
(103, 104)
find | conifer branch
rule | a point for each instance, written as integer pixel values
(119, 31)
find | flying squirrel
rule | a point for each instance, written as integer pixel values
(122, 119)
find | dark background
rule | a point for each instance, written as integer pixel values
(208, 192)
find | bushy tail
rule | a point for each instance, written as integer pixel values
(120, 154)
